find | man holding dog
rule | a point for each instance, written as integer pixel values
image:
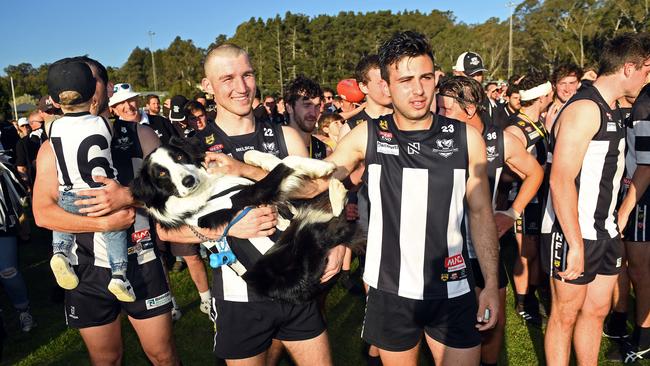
(246, 323)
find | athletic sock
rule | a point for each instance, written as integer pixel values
(618, 317)
(520, 301)
(205, 296)
(374, 361)
(643, 337)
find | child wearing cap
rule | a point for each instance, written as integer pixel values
(81, 144)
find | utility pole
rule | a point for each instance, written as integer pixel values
(13, 95)
(153, 60)
(511, 5)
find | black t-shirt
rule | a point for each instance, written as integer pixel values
(261, 114)
(162, 127)
(26, 150)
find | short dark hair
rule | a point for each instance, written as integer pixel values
(400, 45)
(564, 70)
(464, 90)
(512, 89)
(329, 90)
(364, 66)
(192, 106)
(491, 83)
(302, 87)
(628, 47)
(149, 97)
(199, 95)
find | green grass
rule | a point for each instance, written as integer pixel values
(52, 343)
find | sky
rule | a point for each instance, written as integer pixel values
(37, 32)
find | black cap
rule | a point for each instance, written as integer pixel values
(470, 63)
(70, 76)
(176, 109)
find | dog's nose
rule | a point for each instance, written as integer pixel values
(188, 181)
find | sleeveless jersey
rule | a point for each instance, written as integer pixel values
(127, 158)
(416, 187)
(267, 137)
(226, 284)
(317, 148)
(358, 118)
(600, 176)
(535, 134)
(495, 149)
(82, 153)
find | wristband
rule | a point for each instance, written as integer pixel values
(511, 213)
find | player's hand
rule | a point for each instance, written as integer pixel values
(575, 263)
(351, 211)
(622, 220)
(119, 220)
(334, 263)
(504, 223)
(488, 299)
(102, 201)
(218, 163)
(258, 222)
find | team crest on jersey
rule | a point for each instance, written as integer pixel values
(123, 130)
(209, 140)
(383, 125)
(445, 147)
(388, 149)
(492, 153)
(385, 136)
(521, 123)
(123, 143)
(270, 148)
(158, 133)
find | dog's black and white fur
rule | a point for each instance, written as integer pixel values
(177, 190)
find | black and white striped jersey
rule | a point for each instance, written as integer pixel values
(495, 152)
(416, 183)
(638, 133)
(599, 179)
(81, 144)
(226, 284)
(90, 248)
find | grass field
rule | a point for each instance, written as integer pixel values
(52, 343)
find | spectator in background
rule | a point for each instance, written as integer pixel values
(211, 109)
(329, 126)
(23, 127)
(178, 118)
(513, 101)
(328, 101)
(565, 80)
(161, 125)
(258, 108)
(26, 150)
(195, 111)
(272, 110)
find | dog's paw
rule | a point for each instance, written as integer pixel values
(338, 195)
(260, 159)
(311, 168)
(283, 223)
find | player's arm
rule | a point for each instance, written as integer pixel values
(47, 212)
(575, 128)
(482, 226)
(519, 160)
(641, 177)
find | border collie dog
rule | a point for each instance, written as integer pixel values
(177, 190)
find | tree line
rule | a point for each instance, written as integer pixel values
(327, 47)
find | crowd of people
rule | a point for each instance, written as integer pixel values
(444, 171)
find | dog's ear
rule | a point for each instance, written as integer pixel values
(195, 148)
(177, 142)
(142, 188)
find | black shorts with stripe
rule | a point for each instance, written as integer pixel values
(91, 304)
(396, 323)
(601, 257)
(246, 329)
(530, 221)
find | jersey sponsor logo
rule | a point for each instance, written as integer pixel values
(455, 263)
(216, 148)
(521, 123)
(244, 148)
(458, 275)
(611, 127)
(123, 130)
(383, 125)
(445, 147)
(388, 149)
(158, 301)
(385, 136)
(209, 139)
(413, 148)
(619, 262)
(141, 235)
(492, 153)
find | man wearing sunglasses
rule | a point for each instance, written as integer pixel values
(461, 98)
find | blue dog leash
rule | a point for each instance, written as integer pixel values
(225, 256)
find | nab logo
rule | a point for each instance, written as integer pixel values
(413, 148)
